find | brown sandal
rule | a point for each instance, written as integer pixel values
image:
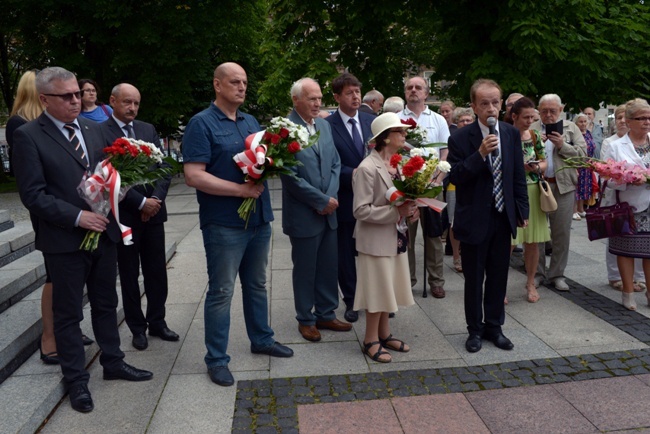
(378, 354)
(401, 348)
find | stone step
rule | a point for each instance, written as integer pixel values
(16, 242)
(20, 278)
(5, 220)
(27, 386)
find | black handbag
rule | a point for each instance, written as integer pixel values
(610, 221)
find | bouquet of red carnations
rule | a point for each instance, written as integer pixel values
(130, 162)
(416, 135)
(417, 172)
(271, 153)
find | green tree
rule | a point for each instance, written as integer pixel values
(586, 51)
(167, 49)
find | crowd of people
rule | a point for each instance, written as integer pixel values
(346, 240)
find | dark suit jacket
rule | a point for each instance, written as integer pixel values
(317, 180)
(350, 158)
(365, 108)
(474, 183)
(129, 212)
(48, 171)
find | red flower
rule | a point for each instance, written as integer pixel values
(284, 133)
(133, 150)
(410, 121)
(412, 166)
(275, 139)
(267, 137)
(121, 142)
(146, 150)
(395, 159)
(293, 147)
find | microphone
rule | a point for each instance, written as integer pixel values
(492, 121)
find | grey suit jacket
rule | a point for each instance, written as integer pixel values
(316, 181)
(48, 172)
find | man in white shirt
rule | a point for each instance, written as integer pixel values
(416, 91)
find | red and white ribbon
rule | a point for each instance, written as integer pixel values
(106, 178)
(394, 196)
(252, 160)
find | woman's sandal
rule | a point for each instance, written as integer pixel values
(616, 284)
(378, 354)
(532, 295)
(639, 286)
(458, 265)
(401, 348)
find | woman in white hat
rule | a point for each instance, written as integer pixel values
(383, 279)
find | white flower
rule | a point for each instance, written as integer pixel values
(443, 166)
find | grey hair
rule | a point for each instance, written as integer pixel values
(633, 106)
(45, 78)
(551, 97)
(297, 87)
(372, 95)
(462, 111)
(580, 115)
(393, 104)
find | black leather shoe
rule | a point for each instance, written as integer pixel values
(164, 333)
(86, 340)
(500, 341)
(140, 341)
(391, 315)
(128, 373)
(221, 375)
(275, 350)
(80, 399)
(48, 358)
(351, 315)
(473, 343)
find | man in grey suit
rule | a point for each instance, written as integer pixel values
(144, 211)
(52, 154)
(309, 202)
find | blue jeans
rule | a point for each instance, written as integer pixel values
(230, 251)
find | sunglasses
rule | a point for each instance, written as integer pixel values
(67, 97)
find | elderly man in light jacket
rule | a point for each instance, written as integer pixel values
(559, 147)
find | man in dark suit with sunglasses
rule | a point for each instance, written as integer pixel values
(52, 154)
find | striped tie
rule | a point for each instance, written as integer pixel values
(498, 183)
(76, 144)
(129, 131)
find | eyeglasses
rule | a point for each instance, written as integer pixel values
(89, 90)
(411, 87)
(642, 119)
(67, 97)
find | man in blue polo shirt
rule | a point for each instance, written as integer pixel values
(211, 139)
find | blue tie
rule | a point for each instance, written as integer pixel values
(356, 137)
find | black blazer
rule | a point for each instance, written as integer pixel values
(350, 158)
(48, 172)
(474, 183)
(129, 212)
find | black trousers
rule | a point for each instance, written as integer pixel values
(347, 274)
(148, 249)
(70, 272)
(487, 263)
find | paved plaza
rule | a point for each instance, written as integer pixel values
(581, 361)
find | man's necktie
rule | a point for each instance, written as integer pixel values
(356, 137)
(76, 144)
(129, 131)
(497, 174)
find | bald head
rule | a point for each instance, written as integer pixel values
(230, 84)
(125, 100)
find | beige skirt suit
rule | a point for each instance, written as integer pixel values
(383, 279)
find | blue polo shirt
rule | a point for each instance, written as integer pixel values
(214, 139)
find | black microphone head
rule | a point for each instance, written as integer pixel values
(492, 122)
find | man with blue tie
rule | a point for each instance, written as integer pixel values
(351, 132)
(309, 203)
(491, 201)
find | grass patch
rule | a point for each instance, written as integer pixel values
(9, 186)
